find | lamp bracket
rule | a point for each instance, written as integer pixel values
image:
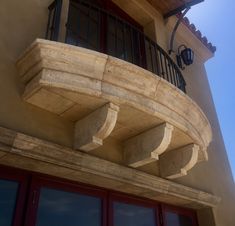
(175, 29)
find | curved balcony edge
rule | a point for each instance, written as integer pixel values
(53, 65)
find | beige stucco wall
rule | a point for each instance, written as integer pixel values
(23, 21)
(215, 175)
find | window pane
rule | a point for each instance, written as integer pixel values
(111, 49)
(136, 45)
(128, 45)
(8, 193)
(83, 28)
(120, 28)
(148, 53)
(120, 49)
(94, 35)
(174, 219)
(73, 18)
(59, 208)
(132, 215)
(71, 38)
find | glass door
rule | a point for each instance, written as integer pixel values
(65, 204)
(126, 211)
(8, 196)
(174, 216)
(62, 208)
(29, 199)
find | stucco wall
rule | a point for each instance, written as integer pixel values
(214, 175)
(23, 21)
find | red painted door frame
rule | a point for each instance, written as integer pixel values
(22, 178)
(29, 193)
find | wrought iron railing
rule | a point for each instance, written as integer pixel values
(92, 27)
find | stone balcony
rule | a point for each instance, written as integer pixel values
(121, 112)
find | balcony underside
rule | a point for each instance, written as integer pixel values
(121, 112)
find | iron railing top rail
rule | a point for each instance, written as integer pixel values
(159, 63)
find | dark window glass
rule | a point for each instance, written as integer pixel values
(112, 37)
(8, 194)
(123, 41)
(128, 44)
(120, 41)
(71, 38)
(174, 219)
(132, 215)
(137, 47)
(83, 27)
(111, 50)
(148, 55)
(151, 56)
(60, 208)
(91, 28)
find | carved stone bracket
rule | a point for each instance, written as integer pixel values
(177, 163)
(95, 127)
(147, 146)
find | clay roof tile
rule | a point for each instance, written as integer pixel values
(197, 33)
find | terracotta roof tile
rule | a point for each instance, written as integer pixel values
(198, 34)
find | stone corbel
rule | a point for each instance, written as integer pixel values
(176, 163)
(95, 127)
(203, 155)
(147, 146)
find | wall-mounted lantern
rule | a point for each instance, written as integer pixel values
(186, 55)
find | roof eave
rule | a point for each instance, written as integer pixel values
(181, 8)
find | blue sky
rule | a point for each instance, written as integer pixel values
(216, 20)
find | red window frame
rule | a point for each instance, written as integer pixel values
(30, 184)
(22, 178)
(179, 210)
(39, 182)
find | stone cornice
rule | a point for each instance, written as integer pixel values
(30, 153)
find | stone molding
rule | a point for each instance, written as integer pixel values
(30, 153)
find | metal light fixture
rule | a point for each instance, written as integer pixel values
(175, 29)
(186, 55)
